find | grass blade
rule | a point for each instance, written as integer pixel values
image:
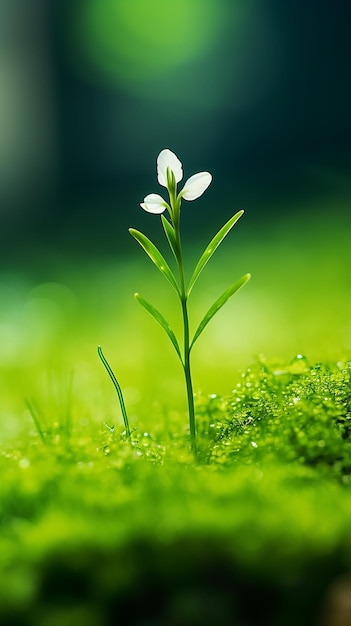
(118, 389)
(170, 234)
(161, 320)
(218, 305)
(155, 256)
(68, 409)
(35, 419)
(212, 247)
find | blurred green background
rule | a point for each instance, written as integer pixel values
(257, 93)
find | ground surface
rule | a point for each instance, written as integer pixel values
(96, 528)
(99, 530)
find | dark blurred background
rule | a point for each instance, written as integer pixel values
(258, 93)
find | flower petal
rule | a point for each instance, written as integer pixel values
(165, 159)
(153, 203)
(196, 185)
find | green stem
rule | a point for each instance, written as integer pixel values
(188, 380)
(187, 347)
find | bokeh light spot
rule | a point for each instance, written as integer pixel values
(133, 41)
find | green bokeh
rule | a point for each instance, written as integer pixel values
(133, 40)
(297, 302)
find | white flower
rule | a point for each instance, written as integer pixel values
(193, 188)
(196, 185)
(153, 203)
(166, 159)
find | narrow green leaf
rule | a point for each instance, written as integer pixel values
(155, 256)
(117, 387)
(36, 420)
(212, 247)
(161, 320)
(218, 305)
(170, 234)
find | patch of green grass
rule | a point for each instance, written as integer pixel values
(95, 526)
(95, 529)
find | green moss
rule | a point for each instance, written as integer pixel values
(96, 530)
(298, 413)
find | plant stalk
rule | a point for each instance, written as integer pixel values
(188, 380)
(186, 355)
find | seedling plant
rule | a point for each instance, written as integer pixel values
(169, 174)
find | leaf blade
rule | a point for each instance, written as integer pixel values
(156, 257)
(212, 247)
(218, 305)
(170, 234)
(161, 320)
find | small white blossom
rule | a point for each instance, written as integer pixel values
(193, 188)
(196, 185)
(166, 159)
(153, 203)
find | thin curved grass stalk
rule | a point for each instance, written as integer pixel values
(68, 409)
(35, 419)
(118, 389)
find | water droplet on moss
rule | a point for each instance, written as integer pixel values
(24, 463)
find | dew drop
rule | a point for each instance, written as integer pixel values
(24, 463)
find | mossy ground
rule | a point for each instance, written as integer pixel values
(96, 530)
(99, 530)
